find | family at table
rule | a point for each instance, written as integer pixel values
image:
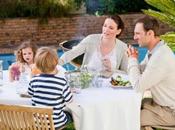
(104, 53)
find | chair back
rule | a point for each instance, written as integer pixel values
(165, 127)
(25, 118)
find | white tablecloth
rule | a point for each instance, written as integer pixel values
(93, 109)
(9, 92)
(107, 109)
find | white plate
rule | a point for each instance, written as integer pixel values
(121, 87)
(124, 78)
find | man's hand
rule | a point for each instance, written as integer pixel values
(132, 52)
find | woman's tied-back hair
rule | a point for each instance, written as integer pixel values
(46, 59)
(25, 44)
(118, 21)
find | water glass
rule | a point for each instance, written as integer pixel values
(74, 82)
(23, 83)
(1, 73)
(98, 81)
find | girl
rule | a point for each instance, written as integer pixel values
(24, 60)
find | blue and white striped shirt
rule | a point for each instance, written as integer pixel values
(53, 91)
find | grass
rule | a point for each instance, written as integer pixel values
(70, 126)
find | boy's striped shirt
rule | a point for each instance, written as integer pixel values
(51, 90)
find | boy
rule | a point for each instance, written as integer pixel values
(50, 87)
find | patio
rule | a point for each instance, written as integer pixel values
(50, 23)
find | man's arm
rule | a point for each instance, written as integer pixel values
(154, 71)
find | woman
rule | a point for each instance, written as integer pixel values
(102, 52)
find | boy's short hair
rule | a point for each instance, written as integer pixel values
(149, 23)
(46, 59)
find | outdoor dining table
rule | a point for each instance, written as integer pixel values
(103, 108)
(9, 92)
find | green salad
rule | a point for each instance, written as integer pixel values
(85, 79)
(119, 81)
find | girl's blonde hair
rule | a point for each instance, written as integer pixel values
(46, 59)
(25, 44)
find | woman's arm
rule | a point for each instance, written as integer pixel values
(74, 52)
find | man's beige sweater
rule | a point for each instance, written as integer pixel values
(158, 76)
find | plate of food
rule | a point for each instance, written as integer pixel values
(120, 81)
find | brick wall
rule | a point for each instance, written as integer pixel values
(13, 31)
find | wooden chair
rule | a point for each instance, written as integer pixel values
(25, 118)
(165, 127)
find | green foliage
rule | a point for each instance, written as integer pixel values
(165, 13)
(70, 126)
(100, 7)
(115, 6)
(78, 3)
(35, 8)
(170, 39)
(166, 10)
(85, 79)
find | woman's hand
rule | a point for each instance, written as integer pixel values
(107, 64)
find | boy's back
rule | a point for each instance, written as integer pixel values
(51, 90)
(49, 87)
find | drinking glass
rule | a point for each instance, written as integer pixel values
(15, 72)
(74, 81)
(98, 80)
(1, 73)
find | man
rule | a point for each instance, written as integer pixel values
(156, 73)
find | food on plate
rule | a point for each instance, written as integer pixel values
(77, 78)
(85, 79)
(119, 81)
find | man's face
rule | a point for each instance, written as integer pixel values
(141, 36)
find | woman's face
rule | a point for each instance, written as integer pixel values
(110, 29)
(27, 54)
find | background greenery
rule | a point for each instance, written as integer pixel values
(166, 13)
(35, 8)
(115, 6)
(58, 8)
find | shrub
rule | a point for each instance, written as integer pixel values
(113, 6)
(35, 8)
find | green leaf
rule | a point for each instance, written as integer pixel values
(165, 6)
(165, 13)
(170, 39)
(167, 18)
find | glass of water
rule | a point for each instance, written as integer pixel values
(74, 81)
(98, 80)
(1, 73)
